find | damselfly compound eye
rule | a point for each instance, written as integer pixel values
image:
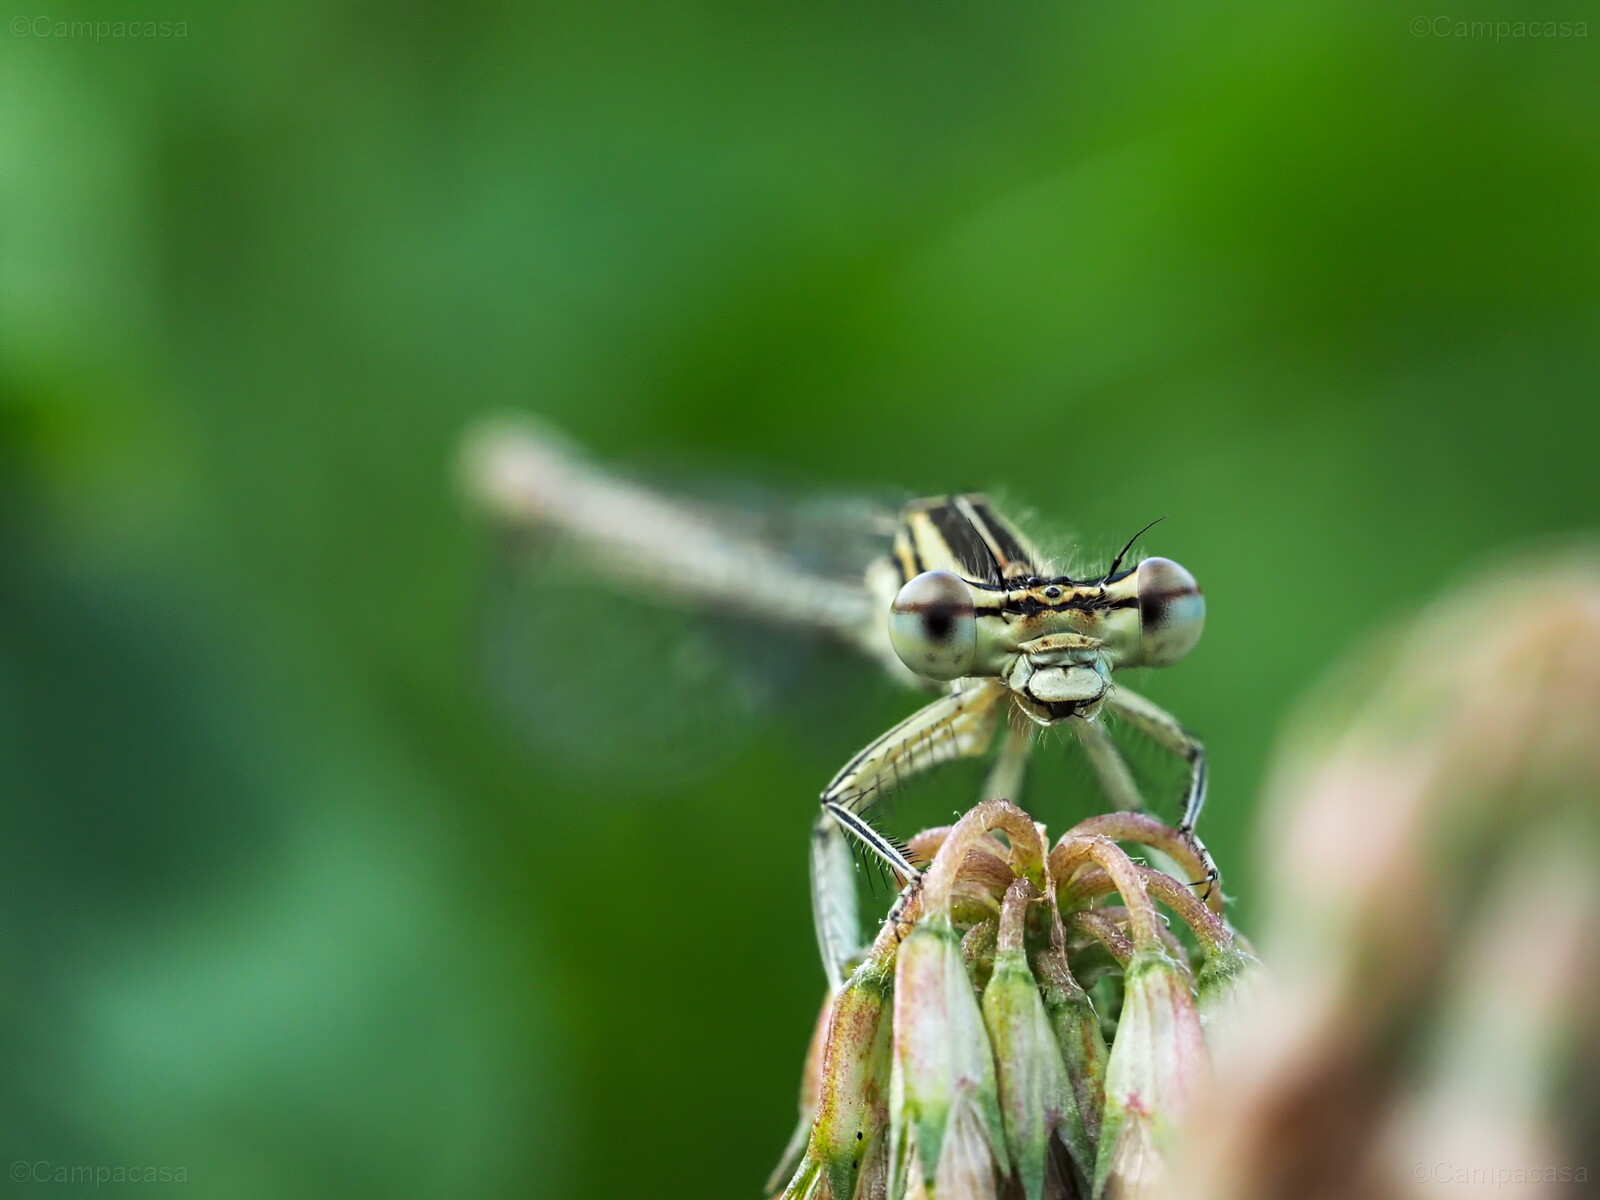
(932, 626)
(1172, 612)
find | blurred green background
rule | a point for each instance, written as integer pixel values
(284, 899)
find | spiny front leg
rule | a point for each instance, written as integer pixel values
(1163, 728)
(958, 725)
(1114, 776)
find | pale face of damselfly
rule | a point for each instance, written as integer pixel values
(959, 602)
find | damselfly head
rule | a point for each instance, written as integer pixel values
(933, 626)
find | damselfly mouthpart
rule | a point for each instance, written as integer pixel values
(960, 603)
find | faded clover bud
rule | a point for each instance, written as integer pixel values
(1431, 911)
(1032, 1026)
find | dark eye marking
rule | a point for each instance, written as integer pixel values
(1155, 608)
(938, 617)
(1052, 592)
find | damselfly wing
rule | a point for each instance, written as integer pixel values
(645, 655)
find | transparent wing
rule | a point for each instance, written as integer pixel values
(642, 635)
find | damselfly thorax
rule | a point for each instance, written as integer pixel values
(959, 602)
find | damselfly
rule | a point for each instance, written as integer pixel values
(959, 601)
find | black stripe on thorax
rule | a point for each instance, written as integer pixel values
(1003, 541)
(966, 543)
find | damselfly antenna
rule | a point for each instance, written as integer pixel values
(1117, 561)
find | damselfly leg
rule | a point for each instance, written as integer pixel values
(1112, 771)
